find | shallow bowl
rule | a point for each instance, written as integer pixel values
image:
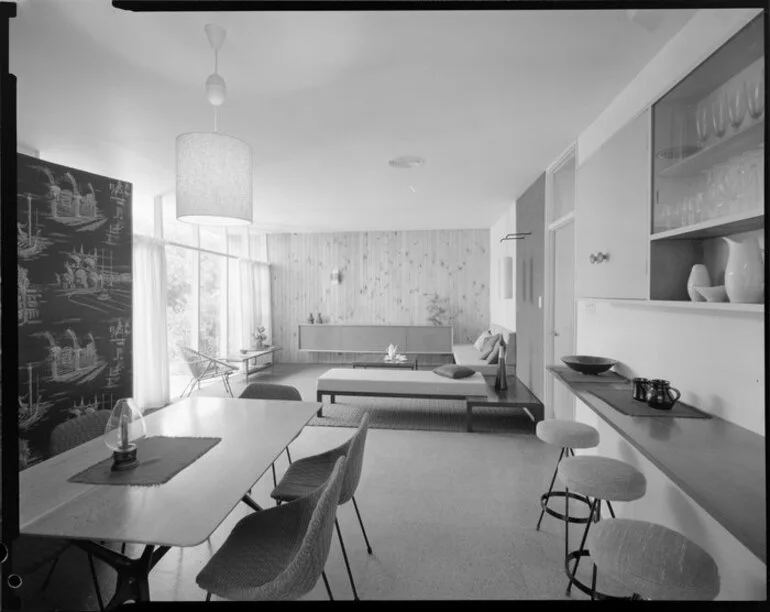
(587, 364)
(713, 294)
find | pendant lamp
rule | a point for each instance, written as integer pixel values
(214, 176)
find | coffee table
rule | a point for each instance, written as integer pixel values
(245, 357)
(373, 361)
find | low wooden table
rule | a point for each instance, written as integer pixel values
(373, 361)
(255, 354)
(517, 395)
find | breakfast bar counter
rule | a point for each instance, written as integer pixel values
(721, 466)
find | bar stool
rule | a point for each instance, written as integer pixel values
(603, 479)
(568, 435)
(652, 561)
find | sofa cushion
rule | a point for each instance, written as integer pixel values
(494, 356)
(489, 345)
(451, 370)
(480, 340)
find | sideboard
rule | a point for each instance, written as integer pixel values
(410, 339)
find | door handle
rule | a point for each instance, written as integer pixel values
(554, 333)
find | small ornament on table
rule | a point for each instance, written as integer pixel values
(392, 353)
(310, 319)
(318, 319)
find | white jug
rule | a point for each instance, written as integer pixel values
(744, 275)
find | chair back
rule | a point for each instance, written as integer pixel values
(302, 574)
(197, 362)
(77, 431)
(271, 391)
(355, 454)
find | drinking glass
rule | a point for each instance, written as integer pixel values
(736, 104)
(700, 207)
(756, 97)
(719, 114)
(732, 187)
(702, 121)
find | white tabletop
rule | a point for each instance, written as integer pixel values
(181, 512)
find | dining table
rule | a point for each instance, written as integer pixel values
(182, 512)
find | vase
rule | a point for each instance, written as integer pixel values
(501, 380)
(699, 277)
(744, 274)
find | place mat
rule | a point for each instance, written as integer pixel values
(621, 400)
(569, 375)
(160, 459)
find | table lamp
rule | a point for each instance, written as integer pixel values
(125, 426)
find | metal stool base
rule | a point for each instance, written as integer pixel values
(576, 496)
(574, 556)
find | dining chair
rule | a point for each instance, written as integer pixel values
(307, 473)
(203, 367)
(272, 391)
(33, 552)
(278, 553)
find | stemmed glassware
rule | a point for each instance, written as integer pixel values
(702, 121)
(719, 115)
(756, 97)
(736, 104)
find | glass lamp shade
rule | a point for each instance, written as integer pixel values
(125, 426)
(213, 179)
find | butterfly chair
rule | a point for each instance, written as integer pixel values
(33, 552)
(307, 473)
(271, 391)
(202, 367)
(278, 553)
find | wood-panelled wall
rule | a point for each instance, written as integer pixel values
(386, 278)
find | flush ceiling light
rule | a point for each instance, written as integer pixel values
(406, 162)
(214, 175)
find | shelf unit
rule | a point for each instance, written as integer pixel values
(723, 226)
(677, 123)
(749, 138)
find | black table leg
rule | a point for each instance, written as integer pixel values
(132, 584)
(319, 398)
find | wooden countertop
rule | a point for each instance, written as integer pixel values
(719, 464)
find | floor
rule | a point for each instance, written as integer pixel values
(449, 516)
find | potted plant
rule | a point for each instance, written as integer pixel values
(259, 338)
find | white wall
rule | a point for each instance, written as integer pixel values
(716, 360)
(502, 311)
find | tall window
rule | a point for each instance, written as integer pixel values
(206, 309)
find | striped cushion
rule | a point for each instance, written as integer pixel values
(567, 434)
(653, 561)
(602, 477)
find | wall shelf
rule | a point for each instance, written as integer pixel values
(748, 138)
(707, 307)
(723, 226)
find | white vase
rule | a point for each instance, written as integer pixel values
(744, 275)
(699, 277)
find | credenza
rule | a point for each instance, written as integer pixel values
(410, 339)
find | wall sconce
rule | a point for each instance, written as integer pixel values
(507, 278)
(335, 276)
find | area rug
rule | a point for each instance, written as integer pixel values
(421, 414)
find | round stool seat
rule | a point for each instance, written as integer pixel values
(653, 561)
(567, 434)
(602, 478)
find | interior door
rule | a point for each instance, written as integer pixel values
(562, 336)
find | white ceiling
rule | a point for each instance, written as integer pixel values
(488, 98)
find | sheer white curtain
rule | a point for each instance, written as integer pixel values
(151, 382)
(255, 300)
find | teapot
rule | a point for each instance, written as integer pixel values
(661, 395)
